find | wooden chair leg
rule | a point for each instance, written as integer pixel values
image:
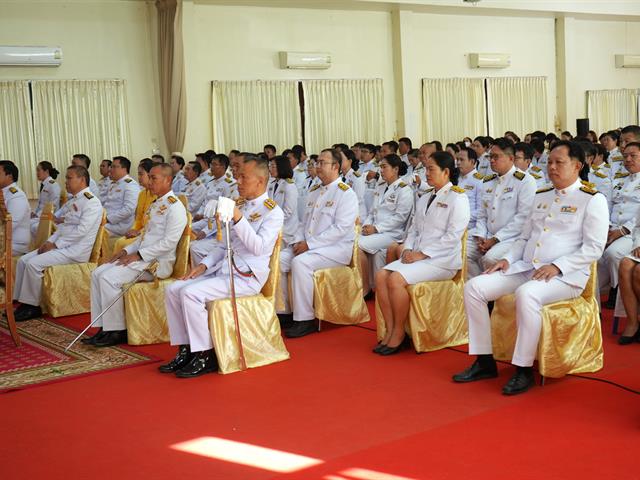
(11, 322)
(541, 381)
(615, 325)
(319, 325)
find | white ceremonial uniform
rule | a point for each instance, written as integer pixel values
(299, 176)
(616, 162)
(73, 238)
(439, 223)
(286, 197)
(484, 165)
(599, 177)
(205, 177)
(625, 206)
(120, 204)
(93, 186)
(370, 185)
(390, 215)
(541, 182)
(472, 183)
(506, 204)
(329, 230)
(252, 240)
(18, 206)
(539, 166)
(310, 182)
(167, 219)
(357, 183)
(270, 186)
(179, 183)
(103, 188)
(49, 193)
(217, 187)
(566, 228)
(195, 192)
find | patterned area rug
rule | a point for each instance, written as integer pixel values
(41, 358)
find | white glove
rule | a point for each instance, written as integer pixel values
(226, 208)
(210, 209)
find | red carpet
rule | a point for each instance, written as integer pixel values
(336, 402)
(32, 354)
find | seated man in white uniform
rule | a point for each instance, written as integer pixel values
(82, 160)
(17, 205)
(49, 192)
(72, 242)
(507, 199)
(481, 146)
(195, 190)
(158, 241)
(471, 180)
(522, 160)
(325, 239)
(122, 198)
(549, 262)
(105, 180)
(254, 231)
(179, 180)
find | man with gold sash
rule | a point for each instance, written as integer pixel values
(550, 261)
(158, 241)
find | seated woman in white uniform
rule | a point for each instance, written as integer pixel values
(49, 192)
(350, 175)
(431, 252)
(388, 219)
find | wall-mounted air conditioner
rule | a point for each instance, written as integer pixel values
(30, 56)
(305, 61)
(627, 61)
(489, 60)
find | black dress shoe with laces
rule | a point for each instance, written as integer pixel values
(182, 358)
(27, 312)
(484, 367)
(92, 339)
(111, 338)
(200, 363)
(300, 329)
(521, 381)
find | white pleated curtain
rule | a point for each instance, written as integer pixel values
(250, 114)
(518, 104)
(80, 116)
(16, 132)
(611, 109)
(453, 108)
(343, 111)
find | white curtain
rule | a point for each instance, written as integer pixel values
(453, 108)
(16, 132)
(250, 114)
(342, 111)
(80, 116)
(518, 104)
(611, 109)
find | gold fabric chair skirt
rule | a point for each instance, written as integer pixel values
(66, 289)
(145, 313)
(571, 336)
(122, 242)
(261, 338)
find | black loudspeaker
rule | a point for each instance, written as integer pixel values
(582, 125)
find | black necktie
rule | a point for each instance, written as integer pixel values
(41, 186)
(385, 190)
(433, 197)
(344, 179)
(275, 187)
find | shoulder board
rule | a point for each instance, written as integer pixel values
(535, 175)
(13, 189)
(605, 165)
(129, 180)
(382, 183)
(402, 184)
(172, 199)
(228, 180)
(290, 180)
(488, 178)
(478, 175)
(88, 195)
(314, 188)
(621, 175)
(52, 181)
(601, 175)
(457, 189)
(270, 204)
(343, 186)
(546, 189)
(618, 158)
(588, 190)
(357, 174)
(197, 182)
(588, 184)
(518, 175)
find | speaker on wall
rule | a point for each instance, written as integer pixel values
(582, 126)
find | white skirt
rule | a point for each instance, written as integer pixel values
(421, 271)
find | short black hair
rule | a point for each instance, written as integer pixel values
(576, 152)
(84, 158)
(124, 162)
(632, 129)
(147, 164)
(222, 158)
(298, 150)
(81, 172)
(268, 146)
(484, 141)
(393, 145)
(471, 153)
(107, 160)
(283, 166)
(10, 168)
(395, 161)
(196, 167)
(158, 156)
(179, 160)
(537, 144)
(504, 144)
(437, 144)
(355, 164)
(446, 160)
(406, 141)
(525, 148)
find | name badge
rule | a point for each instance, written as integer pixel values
(468, 187)
(329, 204)
(507, 190)
(568, 209)
(254, 216)
(442, 205)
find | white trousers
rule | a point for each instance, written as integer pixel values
(478, 263)
(531, 296)
(106, 284)
(301, 269)
(201, 248)
(186, 303)
(34, 226)
(610, 261)
(29, 273)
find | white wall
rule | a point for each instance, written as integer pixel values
(99, 39)
(241, 43)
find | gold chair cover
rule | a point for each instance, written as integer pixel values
(437, 318)
(337, 292)
(261, 338)
(66, 289)
(122, 242)
(144, 305)
(571, 336)
(45, 227)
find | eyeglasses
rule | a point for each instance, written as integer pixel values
(321, 163)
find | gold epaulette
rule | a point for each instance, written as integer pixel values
(488, 178)
(290, 180)
(357, 174)
(600, 174)
(314, 188)
(519, 175)
(172, 199)
(588, 190)
(605, 165)
(402, 184)
(545, 189)
(198, 182)
(478, 175)
(228, 180)
(343, 186)
(52, 181)
(13, 189)
(588, 184)
(535, 175)
(128, 180)
(458, 189)
(270, 204)
(88, 195)
(621, 175)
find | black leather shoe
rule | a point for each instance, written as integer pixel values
(521, 381)
(200, 363)
(370, 296)
(27, 312)
(286, 320)
(378, 347)
(91, 340)
(182, 358)
(300, 329)
(624, 340)
(111, 338)
(387, 350)
(484, 367)
(611, 301)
